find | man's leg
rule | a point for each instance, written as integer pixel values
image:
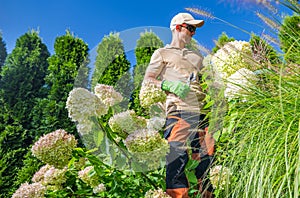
(203, 150)
(177, 133)
(176, 180)
(204, 185)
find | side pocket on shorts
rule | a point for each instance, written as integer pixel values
(170, 123)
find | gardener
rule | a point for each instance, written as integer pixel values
(176, 70)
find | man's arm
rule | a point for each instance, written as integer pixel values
(176, 87)
(150, 76)
(155, 67)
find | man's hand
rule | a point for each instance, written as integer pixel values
(179, 88)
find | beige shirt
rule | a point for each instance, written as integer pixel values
(175, 64)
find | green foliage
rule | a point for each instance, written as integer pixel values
(146, 45)
(22, 79)
(114, 71)
(30, 166)
(222, 40)
(14, 142)
(291, 4)
(289, 35)
(263, 53)
(135, 103)
(5, 115)
(117, 183)
(111, 63)
(262, 140)
(3, 51)
(23, 75)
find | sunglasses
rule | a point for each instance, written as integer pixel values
(190, 28)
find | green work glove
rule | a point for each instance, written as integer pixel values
(179, 88)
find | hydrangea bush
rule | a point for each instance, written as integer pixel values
(34, 190)
(99, 188)
(89, 176)
(126, 122)
(147, 146)
(121, 124)
(231, 57)
(107, 94)
(55, 178)
(55, 148)
(135, 137)
(151, 94)
(239, 83)
(230, 68)
(39, 175)
(82, 104)
(50, 176)
(156, 123)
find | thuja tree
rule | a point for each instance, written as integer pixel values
(13, 147)
(82, 76)
(22, 78)
(3, 51)
(146, 45)
(111, 62)
(289, 35)
(23, 75)
(50, 113)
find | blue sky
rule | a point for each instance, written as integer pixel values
(91, 20)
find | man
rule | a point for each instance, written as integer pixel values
(175, 69)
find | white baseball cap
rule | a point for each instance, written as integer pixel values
(187, 18)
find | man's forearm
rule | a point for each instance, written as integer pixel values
(152, 78)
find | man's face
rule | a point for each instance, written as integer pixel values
(190, 28)
(186, 32)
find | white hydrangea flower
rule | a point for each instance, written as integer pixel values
(100, 188)
(34, 190)
(107, 94)
(148, 147)
(126, 122)
(50, 176)
(237, 83)
(157, 193)
(231, 57)
(55, 148)
(219, 176)
(54, 187)
(82, 104)
(39, 175)
(55, 176)
(89, 176)
(84, 126)
(156, 123)
(151, 94)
